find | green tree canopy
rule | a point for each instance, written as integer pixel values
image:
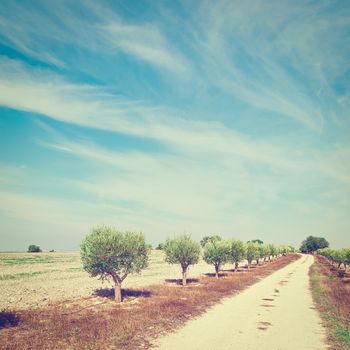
(311, 244)
(34, 249)
(207, 239)
(108, 253)
(160, 246)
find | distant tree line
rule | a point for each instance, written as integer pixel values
(36, 249)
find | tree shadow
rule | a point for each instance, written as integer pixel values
(213, 274)
(8, 319)
(240, 269)
(126, 293)
(179, 280)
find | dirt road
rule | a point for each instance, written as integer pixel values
(277, 313)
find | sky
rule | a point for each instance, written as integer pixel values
(205, 117)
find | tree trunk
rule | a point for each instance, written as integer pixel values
(216, 271)
(118, 292)
(257, 262)
(236, 266)
(184, 277)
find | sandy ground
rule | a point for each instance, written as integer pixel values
(277, 313)
(59, 276)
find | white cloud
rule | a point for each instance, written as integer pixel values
(146, 43)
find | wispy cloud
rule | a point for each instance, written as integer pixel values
(101, 31)
(146, 43)
(47, 94)
(272, 62)
(221, 47)
(196, 188)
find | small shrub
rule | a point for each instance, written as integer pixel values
(34, 249)
(160, 246)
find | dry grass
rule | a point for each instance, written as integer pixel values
(98, 323)
(332, 296)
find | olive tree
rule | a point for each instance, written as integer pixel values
(252, 252)
(263, 251)
(216, 253)
(108, 253)
(272, 251)
(238, 252)
(285, 249)
(182, 250)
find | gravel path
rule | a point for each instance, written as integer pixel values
(276, 313)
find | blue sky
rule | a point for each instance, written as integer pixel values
(207, 117)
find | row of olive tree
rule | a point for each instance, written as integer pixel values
(109, 253)
(337, 256)
(220, 252)
(184, 251)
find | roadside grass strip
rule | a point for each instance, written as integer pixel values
(332, 297)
